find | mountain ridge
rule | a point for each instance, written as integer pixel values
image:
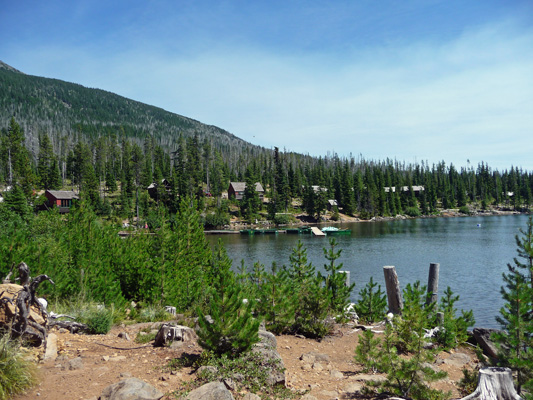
(65, 109)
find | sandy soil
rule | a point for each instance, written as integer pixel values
(104, 363)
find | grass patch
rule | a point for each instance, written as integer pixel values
(17, 373)
(97, 317)
(144, 337)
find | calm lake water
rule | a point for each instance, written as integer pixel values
(473, 252)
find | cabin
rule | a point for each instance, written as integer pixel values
(332, 204)
(416, 189)
(236, 190)
(63, 199)
(152, 189)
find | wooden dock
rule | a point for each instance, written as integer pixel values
(317, 232)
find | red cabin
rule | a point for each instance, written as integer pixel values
(61, 198)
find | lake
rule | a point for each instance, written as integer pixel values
(473, 252)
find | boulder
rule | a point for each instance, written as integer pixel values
(273, 363)
(482, 336)
(211, 391)
(171, 332)
(131, 389)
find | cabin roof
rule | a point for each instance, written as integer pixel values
(63, 194)
(240, 186)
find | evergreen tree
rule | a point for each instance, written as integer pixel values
(250, 203)
(516, 317)
(277, 301)
(16, 201)
(231, 330)
(45, 159)
(188, 259)
(336, 281)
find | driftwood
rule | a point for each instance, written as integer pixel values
(21, 314)
(71, 326)
(494, 384)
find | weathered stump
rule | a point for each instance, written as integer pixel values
(433, 283)
(494, 384)
(394, 294)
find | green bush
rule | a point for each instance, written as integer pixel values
(145, 337)
(282, 219)
(17, 373)
(252, 367)
(465, 210)
(412, 212)
(99, 320)
(150, 313)
(216, 220)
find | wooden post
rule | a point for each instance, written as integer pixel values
(494, 384)
(394, 295)
(433, 283)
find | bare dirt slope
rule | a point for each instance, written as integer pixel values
(103, 362)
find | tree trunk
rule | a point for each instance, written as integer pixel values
(494, 384)
(394, 295)
(433, 283)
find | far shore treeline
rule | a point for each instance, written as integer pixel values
(112, 174)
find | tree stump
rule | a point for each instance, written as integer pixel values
(394, 294)
(494, 384)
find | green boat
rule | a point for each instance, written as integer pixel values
(332, 230)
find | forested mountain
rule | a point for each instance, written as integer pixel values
(71, 112)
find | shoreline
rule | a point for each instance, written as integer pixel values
(236, 226)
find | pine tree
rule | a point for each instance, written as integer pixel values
(188, 259)
(516, 317)
(231, 330)
(336, 281)
(277, 301)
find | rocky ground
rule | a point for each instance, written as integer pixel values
(86, 364)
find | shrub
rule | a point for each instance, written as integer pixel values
(17, 373)
(151, 314)
(99, 321)
(218, 219)
(282, 219)
(252, 367)
(412, 212)
(145, 337)
(465, 210)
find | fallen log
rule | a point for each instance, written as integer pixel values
(494, 383)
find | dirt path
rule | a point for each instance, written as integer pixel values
(333, 375)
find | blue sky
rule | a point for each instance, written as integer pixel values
(407, 80)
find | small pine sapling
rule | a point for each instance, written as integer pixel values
(453, 331)
(232, 330)
(335, 281)
(372, 304)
